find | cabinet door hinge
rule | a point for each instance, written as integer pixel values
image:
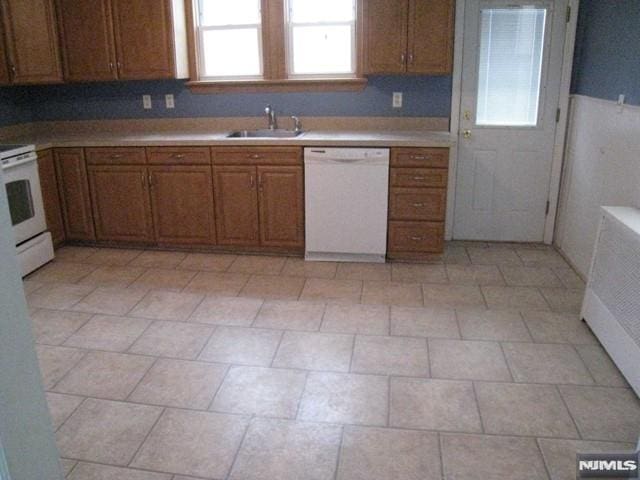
(568, 13)
(558, 115)
(546, 210)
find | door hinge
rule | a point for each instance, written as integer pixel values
(546, 210)
(558, 115)
(568, 13)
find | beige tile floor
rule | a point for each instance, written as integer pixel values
(175, 366)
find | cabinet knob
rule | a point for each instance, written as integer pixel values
(178, 156)
(419, 205)
(419, 178)
(252, 182)
(416, 239)
(111, 66)
(419, 157)
(411, 59)
(402, 58)
(254, 156)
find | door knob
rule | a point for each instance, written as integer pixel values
(466, 133)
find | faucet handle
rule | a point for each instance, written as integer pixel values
(297, 124)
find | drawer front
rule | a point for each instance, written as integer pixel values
(179, 155)
(116, 156)
(419, 177)
(416, 237)
(257, 156)
(420, 157)
(417, 204)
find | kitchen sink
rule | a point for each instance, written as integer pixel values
(265, 133)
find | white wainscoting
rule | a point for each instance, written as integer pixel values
(602, 167)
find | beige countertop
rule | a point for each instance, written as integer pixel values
(219, 138)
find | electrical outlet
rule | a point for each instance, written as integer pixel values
(169, 101)
(397, 100)
(146, 102)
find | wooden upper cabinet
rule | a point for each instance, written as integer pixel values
(430, 43)
(281, 194)
(86, 32)
(385, 36)
(182, 200)
(4, 70)
(236, 200)
(144, 39)
(73, 188)
(32, 41)
(121, 204)
(50, 196)
(408, 36)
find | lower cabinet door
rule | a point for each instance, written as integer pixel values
(182, 201)
(50, 196)
(236, 199)
(71, 173)
(281, 194)
(121, 205)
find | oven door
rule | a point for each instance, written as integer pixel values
(22, 185)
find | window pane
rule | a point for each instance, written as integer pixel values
(511, 52)
(322, 50)
(20, 201)
(232, 53)
(229, 12)
(307, 11)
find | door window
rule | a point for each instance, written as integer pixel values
(20, 201)
(510, 66)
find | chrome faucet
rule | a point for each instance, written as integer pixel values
(297, 124)
(271, 116)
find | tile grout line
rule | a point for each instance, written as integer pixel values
(544, 459)
(240, 445)
(146, 437)
(215, 394)
(507, 363)
(339, 453)
(477, 402)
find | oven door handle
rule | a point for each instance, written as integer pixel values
(29, 159)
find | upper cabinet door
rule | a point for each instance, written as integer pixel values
(385, 36)
(430, 36)
(32, 41)
(86, 32)
(144, 39)
(4, 71)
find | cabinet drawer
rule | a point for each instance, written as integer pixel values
(417, 204)
(419, 177)
(416, 237)
(420, 157)
(179, 155)
(116, 156)
(257, 156)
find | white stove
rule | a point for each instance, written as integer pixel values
(22, 186)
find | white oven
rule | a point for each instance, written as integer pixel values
(22, 186)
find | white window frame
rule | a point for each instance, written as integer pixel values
(200, 34)
(290, 47)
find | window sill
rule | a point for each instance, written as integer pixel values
(301, 85)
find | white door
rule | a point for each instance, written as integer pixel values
(512, 67)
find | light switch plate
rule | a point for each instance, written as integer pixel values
(146, 102)
(397, 100)
(169, 101)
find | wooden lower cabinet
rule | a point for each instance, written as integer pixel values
(50, 196)
(236, 200)
(417, 202)
(73, 187)
(121, 205)
(182, 200)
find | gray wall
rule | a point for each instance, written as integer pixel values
(25, 425)
(607, 57)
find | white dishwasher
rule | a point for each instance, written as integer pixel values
(346, 201)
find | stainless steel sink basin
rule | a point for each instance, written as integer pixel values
(266, 133)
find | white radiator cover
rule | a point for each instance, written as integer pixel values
(612, 301)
